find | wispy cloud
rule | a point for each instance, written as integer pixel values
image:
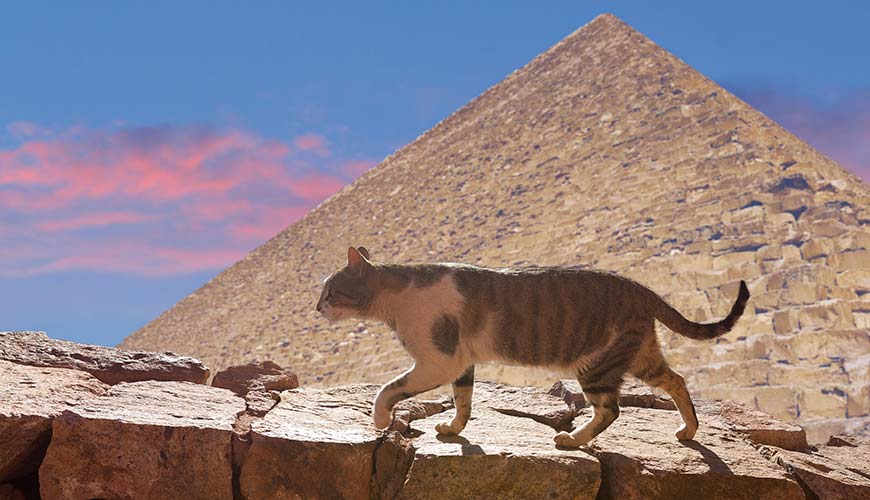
(837, 123)
(312, 142)
(153, 200)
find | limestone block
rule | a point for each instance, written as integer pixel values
(857, 278)
(723, 262)
(779, 401)
(146, 439)
(833, 314)
(316, 444)
(785, 321)
(803, 293)
(807, 374)
(741, 373)
(791, 253)
(769, 252)
(856, 259)
(499, 455)
(681, 470)
(826, 402)
(830, 472)
(30, 397)
(817, 247)
(106, 364)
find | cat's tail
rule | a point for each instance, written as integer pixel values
(701, 331)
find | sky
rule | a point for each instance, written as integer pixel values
(146, 146)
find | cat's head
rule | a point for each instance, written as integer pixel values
(347, 293)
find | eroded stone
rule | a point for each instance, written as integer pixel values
(144, 440)
(759, 427)
(830, 472)
(320, 443)
(29, 398)
(261, 376)
(641, 459)
(632, 393)
(499, 455)
(109, 365)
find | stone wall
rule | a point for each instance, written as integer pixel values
(67, 435)
(607, 152)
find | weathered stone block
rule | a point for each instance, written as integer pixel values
(779, 401)
(30, 397)
(316, 444)
(497, 456)
(817, 247)
(823, 402)
(109, 365)
(785, 321)
(830, 472)
(791, 253)
(683, 469)
(149, 440)
(856, 259)
(733, 259)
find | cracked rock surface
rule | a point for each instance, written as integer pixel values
(66, 435)
(109, 365)
(144, 440)
(29, 398)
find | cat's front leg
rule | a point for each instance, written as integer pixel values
(414, 381)
(463, 387)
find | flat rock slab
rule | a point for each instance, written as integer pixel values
(320, 443)
(757, 426)
(830, 472)
(109, 365)
(29, 398)
(497, 456)
(261, 376)
(632, 393)
(259, 383)
(641, 459)
(524, 402)
(148, 440)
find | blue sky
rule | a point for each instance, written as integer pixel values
(145, 146)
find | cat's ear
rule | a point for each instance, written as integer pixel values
(364, 252)
(355, 260)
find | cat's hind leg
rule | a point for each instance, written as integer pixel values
(601, 381)
(605, 409)
(462, 391)
(651, 367)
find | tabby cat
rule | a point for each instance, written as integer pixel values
(451, 316)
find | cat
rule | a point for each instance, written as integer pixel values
(450, 317)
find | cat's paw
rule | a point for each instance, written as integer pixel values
(382, 418)
(685, 433)
(565, 440)
(446, 429)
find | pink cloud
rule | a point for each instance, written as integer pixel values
(154, 200)
(355, 168)
(23, 129)
(838, 125)
(92, 220)
(312, 142)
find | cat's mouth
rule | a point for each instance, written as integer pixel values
(331, 315)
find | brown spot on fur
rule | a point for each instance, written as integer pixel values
(445, 334)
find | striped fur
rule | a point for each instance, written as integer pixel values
(451, 316)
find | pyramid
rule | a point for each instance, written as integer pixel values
(605, 151)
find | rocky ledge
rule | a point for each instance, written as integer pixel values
(66, 433)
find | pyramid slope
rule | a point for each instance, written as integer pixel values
(605, 151)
